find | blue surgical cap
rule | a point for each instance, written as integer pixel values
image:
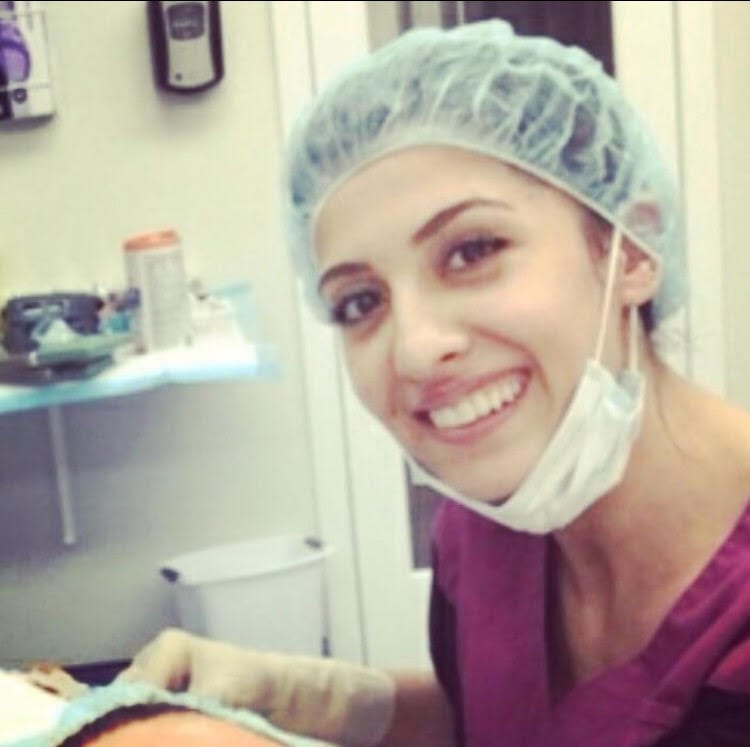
(100, 701)
(531, 102)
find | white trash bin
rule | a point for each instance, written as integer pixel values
(265, 594)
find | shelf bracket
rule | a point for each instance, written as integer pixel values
(62, 475)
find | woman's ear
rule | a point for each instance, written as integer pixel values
(640, 275)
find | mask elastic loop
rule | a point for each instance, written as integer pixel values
(633, 339)
(614, 255)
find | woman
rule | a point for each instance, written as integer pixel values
(491, 227)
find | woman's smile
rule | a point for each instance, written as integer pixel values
(473, 410)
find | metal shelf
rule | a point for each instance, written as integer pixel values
(207, 360)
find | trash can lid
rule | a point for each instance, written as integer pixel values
(247, 559)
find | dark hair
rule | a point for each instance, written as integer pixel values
(119, 717)
(124, 715)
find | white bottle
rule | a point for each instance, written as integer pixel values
(155, 266)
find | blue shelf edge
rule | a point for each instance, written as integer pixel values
(206, 361)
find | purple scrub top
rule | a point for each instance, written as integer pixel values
(487, 635)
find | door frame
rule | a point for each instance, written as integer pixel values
(310, 39)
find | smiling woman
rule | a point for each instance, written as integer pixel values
(491, 228)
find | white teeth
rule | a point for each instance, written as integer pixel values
(445, 418)
(496, 399)
(512, 387)
(484, 401)
(477, 405)
(467, 410)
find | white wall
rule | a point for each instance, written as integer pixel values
(165, 472)
(732, 44)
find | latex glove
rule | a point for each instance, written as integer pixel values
(323, 698)
(54, 679)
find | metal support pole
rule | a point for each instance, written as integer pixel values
(62, 476)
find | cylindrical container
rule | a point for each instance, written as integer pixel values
(155, 266)
(265, 594)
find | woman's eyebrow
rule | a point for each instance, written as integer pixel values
(431, 227)
(446, 215)
(345, 268)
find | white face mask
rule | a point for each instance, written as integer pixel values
(588, 452)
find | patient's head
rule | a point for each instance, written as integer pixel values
(139, 715)
(164, 724)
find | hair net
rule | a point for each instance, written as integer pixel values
(529, 101)
(100, 701)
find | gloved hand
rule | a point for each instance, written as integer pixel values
(323, 698)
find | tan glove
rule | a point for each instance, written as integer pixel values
(323, 698)
(54, 679)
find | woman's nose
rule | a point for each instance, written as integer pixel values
(426, 336)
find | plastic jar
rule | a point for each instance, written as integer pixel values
(156, 268)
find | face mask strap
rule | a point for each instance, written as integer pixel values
(633, 339)
(614, 256)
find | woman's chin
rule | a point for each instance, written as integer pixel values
(489, 499)
(492, 493)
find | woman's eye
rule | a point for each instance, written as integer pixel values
(471, 251)
(355, 307)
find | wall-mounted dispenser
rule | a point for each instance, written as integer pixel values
(185, 44)
(25, 80)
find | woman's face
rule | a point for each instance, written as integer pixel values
(468, 300)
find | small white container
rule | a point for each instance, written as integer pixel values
(155, 266)
(263, 594)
